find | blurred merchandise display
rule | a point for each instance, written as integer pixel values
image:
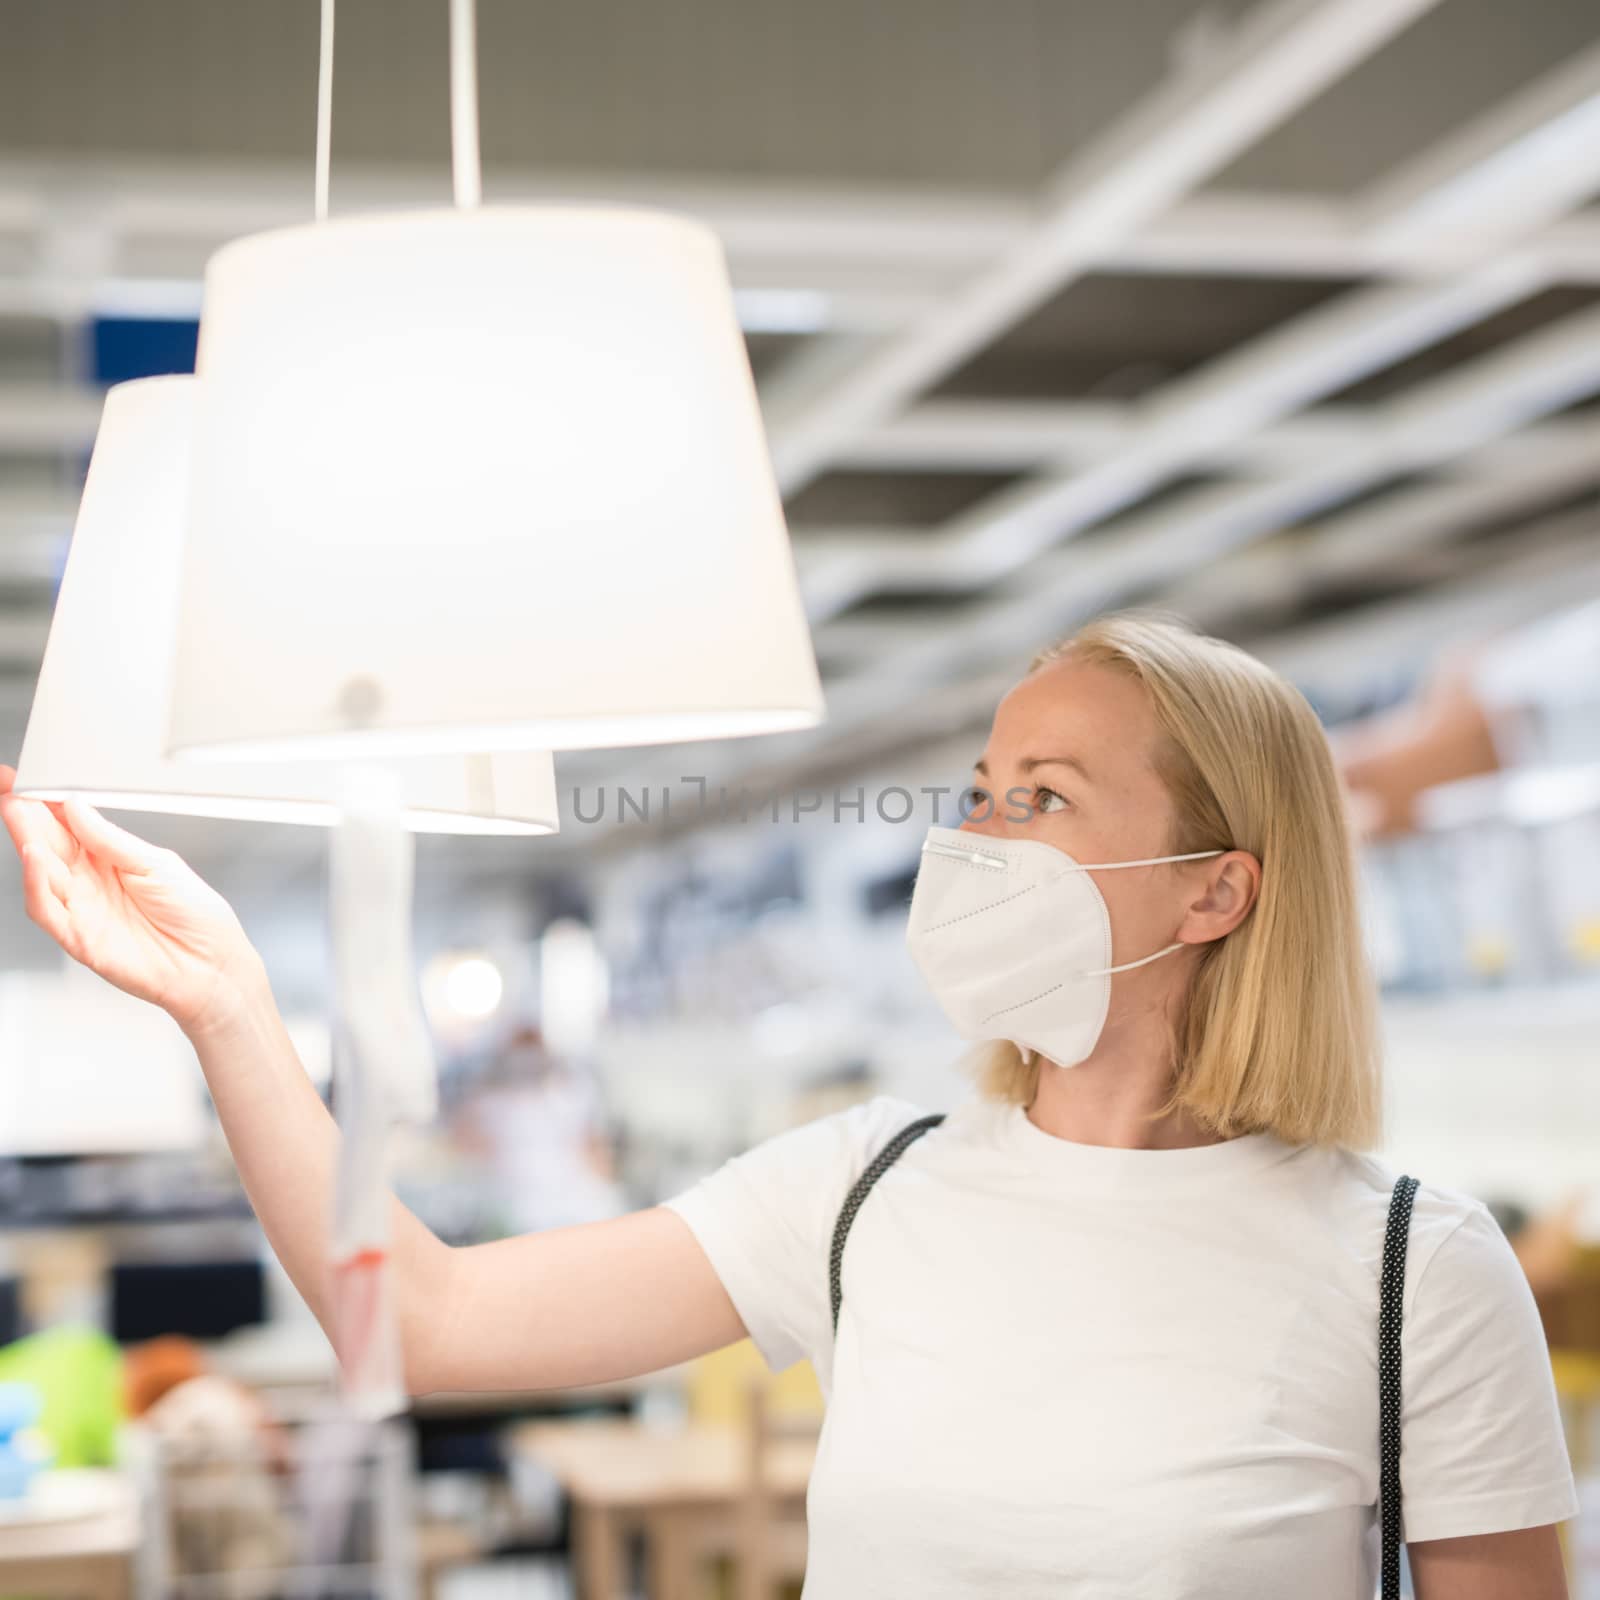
(1521, 852)
(70, 1026)
(23, 1451)
(224, 1480)
(75, 1376)
(175, 1185)
(1499, 887)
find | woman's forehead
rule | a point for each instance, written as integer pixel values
(1082, 702)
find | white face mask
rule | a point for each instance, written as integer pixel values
(1014, 938)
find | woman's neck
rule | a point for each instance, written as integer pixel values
(1115, 1097)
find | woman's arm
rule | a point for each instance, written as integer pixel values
(1522, 1565)
(573, 1305)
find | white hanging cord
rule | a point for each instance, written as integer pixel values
(464, 161)
(324, 111)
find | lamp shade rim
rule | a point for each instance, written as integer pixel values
(306, 813)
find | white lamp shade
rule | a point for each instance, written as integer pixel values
(97, 727)
(486, 479)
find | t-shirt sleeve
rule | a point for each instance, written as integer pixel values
(1482, 1449)
(765, 1220)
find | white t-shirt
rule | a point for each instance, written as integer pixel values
(1068, 1370)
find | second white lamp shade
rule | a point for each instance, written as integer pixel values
(98, 724)
(489, 479)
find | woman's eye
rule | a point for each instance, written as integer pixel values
(973, 798)
(1041, 795)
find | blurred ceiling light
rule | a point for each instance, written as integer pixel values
(474, 987)
(574, 985)
(460, 988)
(97, 722)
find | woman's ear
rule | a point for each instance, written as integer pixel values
(1232, 883)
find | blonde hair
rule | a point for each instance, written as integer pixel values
(1277, 1031)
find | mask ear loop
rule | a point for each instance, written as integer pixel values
(1128, 966)
(1026, 1051)
(1144, 961)
(1147, 861)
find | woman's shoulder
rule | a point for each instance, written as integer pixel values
(857, 1134)
(834, 1147)
(1453, 1240)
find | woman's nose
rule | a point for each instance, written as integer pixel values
(987, 820)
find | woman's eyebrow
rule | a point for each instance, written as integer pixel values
(1028, 763)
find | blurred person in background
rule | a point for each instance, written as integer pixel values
(1529, 695)
(1112, 1326)
(537, 1123)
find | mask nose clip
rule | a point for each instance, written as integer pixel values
(971, 854)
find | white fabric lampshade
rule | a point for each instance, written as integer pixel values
(97, 727)
(486, 479)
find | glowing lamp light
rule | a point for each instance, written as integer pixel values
(97, 725)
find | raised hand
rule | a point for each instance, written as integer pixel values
(131, 911)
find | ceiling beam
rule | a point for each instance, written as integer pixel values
(1187, 423)
(1530, 159)
(39, 418)
(1017, 436)
(981, 435)
(1390, 532)
(1556, 564)
(869, 260)
(1221, 234)
(1279, 58)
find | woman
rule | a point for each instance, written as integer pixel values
(1111, 1330)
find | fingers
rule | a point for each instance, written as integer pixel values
(121, 848)
(46, 886)
(35, 821)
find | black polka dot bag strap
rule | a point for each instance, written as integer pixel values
(1391, 1296)
(859, 1191)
